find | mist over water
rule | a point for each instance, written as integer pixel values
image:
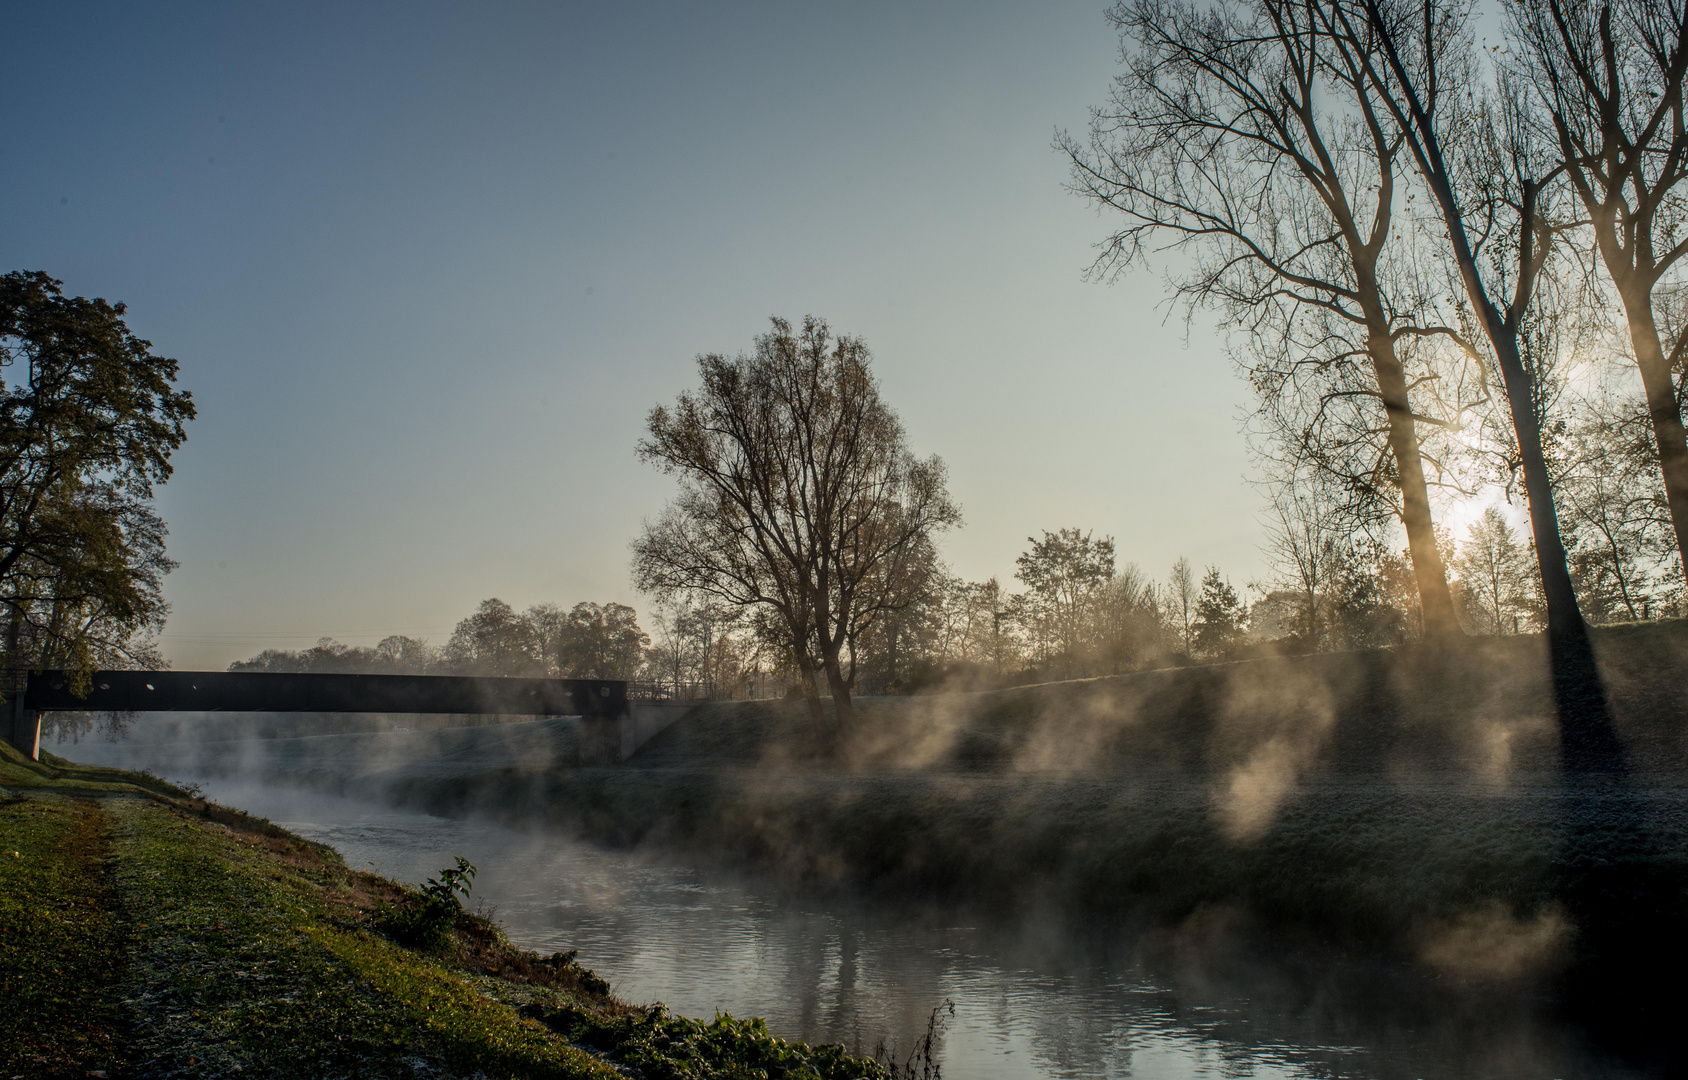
(1032, 999)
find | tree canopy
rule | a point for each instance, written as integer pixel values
(798, 495)
(89, 418)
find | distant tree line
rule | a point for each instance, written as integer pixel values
(780, 569)
(588, 641)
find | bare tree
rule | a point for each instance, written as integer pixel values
(1609, 485)
(1183, 592)
(1610, 81)
(1494, 572)
(1130, 627)
(1492, 186)
(702, 650)
(987, 617)
(1305, 541)
(1250, 135)
(798, 494)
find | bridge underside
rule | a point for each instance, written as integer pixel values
(601, 703)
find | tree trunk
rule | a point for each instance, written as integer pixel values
(840, 693)
(1435, 600)
(812, 695)
(1588, 743)
(1668, 433)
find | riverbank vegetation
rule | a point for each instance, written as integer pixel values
(146, 932)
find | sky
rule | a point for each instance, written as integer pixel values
(428, 267)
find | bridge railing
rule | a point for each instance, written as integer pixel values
(701, 691)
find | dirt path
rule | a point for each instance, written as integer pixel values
(61, 941)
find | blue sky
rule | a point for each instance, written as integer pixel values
(427, 267)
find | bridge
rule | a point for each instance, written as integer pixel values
(609, 721)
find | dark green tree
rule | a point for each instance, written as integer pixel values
(1219, 615)
(601, 641)
(495, 640)
(1065, 574)
(89, 417)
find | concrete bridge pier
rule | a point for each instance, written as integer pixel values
(21, 726)
(607, 740)
(600, 740)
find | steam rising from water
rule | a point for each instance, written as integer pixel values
(1493, 943)
(1410, 795)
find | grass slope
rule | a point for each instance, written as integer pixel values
(146, 933)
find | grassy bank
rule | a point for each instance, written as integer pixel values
(144, 932)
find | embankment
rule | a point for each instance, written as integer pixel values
(146, 933)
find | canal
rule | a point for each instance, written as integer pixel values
(1032, 998)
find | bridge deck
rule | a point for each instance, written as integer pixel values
(250, 691)
(244, 691)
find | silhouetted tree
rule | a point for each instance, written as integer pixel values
(798, 494)
(1623, 557)
(1307, 543)
(1183, 591)
(1131, 630)
(601, 641)
(1249, 137)
(1608, 82)
(1494, 576)
(1219, 615)
(1064, 574)
(495, 640)
(1492, 186)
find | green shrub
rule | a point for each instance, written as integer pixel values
(662, 1046)
(425, 917)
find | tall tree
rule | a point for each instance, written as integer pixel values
(602, 641)
(1610, 82)
(1305, 542)
(1250, 137)
(1609, 486)
(495, 640)
(1491, 184)
(798, 494)
(1183, 591)
(1494, 575)
(1219, 615)
(1065, 573)
(89, 418)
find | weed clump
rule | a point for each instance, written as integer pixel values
(566, 966)
(424, 919)
(662, 1046)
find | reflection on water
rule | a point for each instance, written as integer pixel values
(1028, 1002)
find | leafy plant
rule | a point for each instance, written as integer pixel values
(425, 918)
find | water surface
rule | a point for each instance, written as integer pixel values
(1031, 999)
